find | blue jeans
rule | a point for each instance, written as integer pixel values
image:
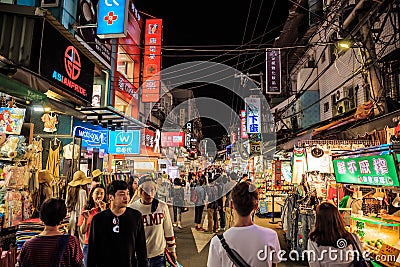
(157, 261)
(85, 250)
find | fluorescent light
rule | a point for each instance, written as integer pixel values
(38, 108)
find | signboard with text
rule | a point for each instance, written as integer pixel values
(172, 139)
(150, 142)
(62, 63)
(121, 142)
(112, 19)
(152, 60)
(253, 106)
(243, 129)
(378, 170)
(273, 77)
(92, 136)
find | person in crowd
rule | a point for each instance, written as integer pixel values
(44, 191)
(96, 177)
(199, 201)
(221, 182)
(244, 178)
(76, 200)
(212, 207)
(51, 248)
(178, 195)
(350, 203)
(329, 234)
(229, 214)
(96, 203)
(245, 236)
(117, 236)
(157, 223)
(133, 184)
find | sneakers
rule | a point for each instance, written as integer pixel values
(200, 229)
(179, 226)
(174, 224)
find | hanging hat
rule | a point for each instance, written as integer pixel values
(44, 176)
(317, 152)
(96, 173)
(79, 178)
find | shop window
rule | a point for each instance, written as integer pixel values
(125, 65)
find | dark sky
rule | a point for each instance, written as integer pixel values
(218, 25)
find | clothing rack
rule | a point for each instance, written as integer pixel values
(303, 143)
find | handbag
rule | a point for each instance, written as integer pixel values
(359, 261)
(232, 254)
(170, 260)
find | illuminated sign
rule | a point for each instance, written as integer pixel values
(273, 77)
(121, 142)
(253, 106)
(368, 170)
(62, 63)
(92, 138)
(172, 139)
(243, 129)
(112, 18)
(152, 60)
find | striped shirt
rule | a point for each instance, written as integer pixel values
(39, 251)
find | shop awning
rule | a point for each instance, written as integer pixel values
(111, 117)
(307, 135)
(20, 90)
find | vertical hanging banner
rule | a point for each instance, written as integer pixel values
(112, 20)
(273, 66)
(253, 106)
(152, 60)
(243, 129)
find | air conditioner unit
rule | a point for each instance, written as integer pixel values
(343, 107)
(344, 93)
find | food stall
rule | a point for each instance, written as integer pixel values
(376, 169)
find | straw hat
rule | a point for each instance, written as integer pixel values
(79, 178)
(44, 176)
(96, 173)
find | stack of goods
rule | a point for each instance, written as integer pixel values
(30, 228)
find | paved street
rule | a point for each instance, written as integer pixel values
(192, 246)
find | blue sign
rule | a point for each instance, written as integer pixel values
(122, 142)
(92, 136)
(112, 18)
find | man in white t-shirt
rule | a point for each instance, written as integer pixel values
(258, 246)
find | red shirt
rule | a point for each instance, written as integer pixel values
(89, 221)
(39, 251)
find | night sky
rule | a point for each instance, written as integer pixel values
(217, 25)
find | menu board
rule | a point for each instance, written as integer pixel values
(377, 170)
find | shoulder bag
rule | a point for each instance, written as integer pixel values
(359, 260)
(232, 254)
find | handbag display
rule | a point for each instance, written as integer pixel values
(232, 254)
(359, 261)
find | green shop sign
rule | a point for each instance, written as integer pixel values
(369, 170)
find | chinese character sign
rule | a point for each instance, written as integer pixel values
(253, 115)
(273, 65)
(243, 129)
(112, 18)
(121, 142)
(368, 170)
(152, 60)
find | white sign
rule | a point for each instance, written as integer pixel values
(253, 106)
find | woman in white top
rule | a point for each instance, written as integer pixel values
(329, 243)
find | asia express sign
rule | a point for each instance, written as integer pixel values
(369, 170)
(62, 63)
